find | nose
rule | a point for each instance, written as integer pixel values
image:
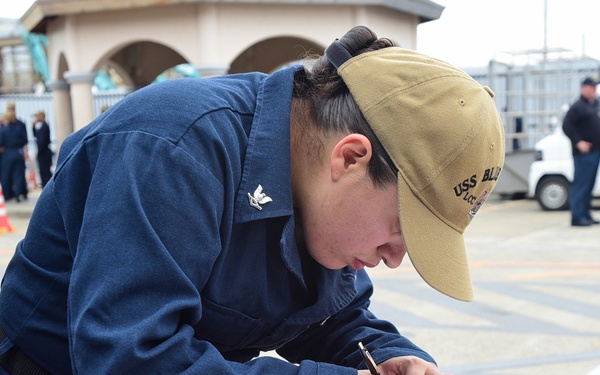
(392, 253)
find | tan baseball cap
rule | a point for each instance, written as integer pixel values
(443, 133)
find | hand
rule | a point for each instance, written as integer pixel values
(408, 365)
(584, 147)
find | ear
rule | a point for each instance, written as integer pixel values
(350, 155)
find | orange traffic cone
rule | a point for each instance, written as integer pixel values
(5, 226)
(32, 175)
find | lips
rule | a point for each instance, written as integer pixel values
(358, 264)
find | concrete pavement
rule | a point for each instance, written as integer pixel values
(537, 297)
(537, 294)
(18, 217)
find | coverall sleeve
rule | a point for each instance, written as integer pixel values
(143, 246)
(337, 339)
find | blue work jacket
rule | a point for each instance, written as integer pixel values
(150, 252)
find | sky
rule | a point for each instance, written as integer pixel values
(472, 32)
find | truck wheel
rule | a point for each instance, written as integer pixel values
(553, 193)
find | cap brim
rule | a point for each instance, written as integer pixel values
(436, 250)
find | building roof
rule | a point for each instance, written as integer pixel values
(42, 11)
(9, 33)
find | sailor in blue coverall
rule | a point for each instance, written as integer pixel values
(147, 257)
(169, 241)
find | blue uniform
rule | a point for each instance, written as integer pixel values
(41, 132)
(150, 252)
(13, 137)
(582, 122)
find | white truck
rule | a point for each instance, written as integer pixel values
(551, 173)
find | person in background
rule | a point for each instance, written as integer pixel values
(198, 222)
(3, 122)
(582, 125)
(41, 132)
(12, 140)
(23, 190)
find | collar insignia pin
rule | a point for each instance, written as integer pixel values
(258, 198)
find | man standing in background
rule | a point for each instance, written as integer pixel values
(582, 126)
(41, 132)
(22, 190)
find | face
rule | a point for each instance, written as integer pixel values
(588, 92)
(353, 223)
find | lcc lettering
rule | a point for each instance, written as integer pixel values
(465, 185)
(491, 174)
(469, 198)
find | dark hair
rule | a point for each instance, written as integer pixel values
(333, 108)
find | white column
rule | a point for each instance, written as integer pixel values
(63, 115)
(211, 70)
(81, 97)
(209, 63)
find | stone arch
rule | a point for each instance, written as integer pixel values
(140, 62)
(269, 54)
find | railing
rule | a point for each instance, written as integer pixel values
(28, 104)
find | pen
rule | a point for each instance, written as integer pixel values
(371, 365)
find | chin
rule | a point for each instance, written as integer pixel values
(331, 265)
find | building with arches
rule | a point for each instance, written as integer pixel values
(140, 39)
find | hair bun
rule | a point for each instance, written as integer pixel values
(357, 39)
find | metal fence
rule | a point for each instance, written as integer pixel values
(28, 104)
(534, 89)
